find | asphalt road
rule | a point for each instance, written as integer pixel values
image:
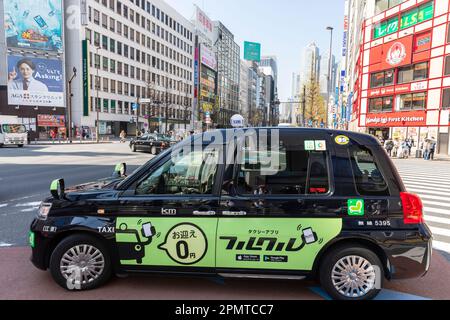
(25, 176)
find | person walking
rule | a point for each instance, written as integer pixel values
(53, 135)
(426, 149)
(123, 135)
(389, 145)
(432, 149)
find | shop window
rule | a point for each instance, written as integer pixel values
(412, 101)
(447, 66)
(448, 33)
(378, 105)
(382, 79)
(412, 73)
(446, 99)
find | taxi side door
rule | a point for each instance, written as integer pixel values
(167, 218)
(277, 216)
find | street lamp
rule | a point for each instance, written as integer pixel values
(97, 127)
(329, 75)
(69, 107)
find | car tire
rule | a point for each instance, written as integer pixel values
(335, 260)
(154, 151)
(98, 253)
(20, 145)
(133, 148)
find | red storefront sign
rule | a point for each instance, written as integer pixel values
(47, 120)
(391, 55)
(397, 119)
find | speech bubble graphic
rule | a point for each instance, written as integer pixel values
(185, 244)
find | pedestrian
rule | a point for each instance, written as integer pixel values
(53, 135)
(426, 149)
(389, 145)
(432, 149)
(29, 136)
(396, 148)
(123, 135)
(404, 153)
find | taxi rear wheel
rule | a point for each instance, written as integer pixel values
(80, 262)
(352, 273)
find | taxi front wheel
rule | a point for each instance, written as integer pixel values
(352, 273)
(80, 262)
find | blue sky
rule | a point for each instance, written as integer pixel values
(283, 27)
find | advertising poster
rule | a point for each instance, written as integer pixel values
(35, 82)
(208, 58)
(35, 25)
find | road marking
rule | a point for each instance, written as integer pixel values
(3, 244)
(435, 203)
(29, 204)
(3, 205)
(440, 231)
(443, 246)
(436, 210)
(422, 191)
(437, 219)
(385, 294)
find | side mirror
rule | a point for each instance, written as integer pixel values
(57, 189)
(120, 170)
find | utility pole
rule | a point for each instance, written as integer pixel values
(97, 127)
(304, 106)
(69, 106)
(329, 75)
(137, 116)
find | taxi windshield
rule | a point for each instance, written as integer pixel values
(13, 128)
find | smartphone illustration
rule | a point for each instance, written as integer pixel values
(41, 22)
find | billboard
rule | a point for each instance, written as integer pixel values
(34, 25)
(35, 81)
(204, 24)
(47, 120)
(208, 58)
(252, 51)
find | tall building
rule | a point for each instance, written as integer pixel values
(310, 65)
(135, 66)
(324, 70)
(228, 53)
(32, 81)
(268, 66)
(205, 108)
(295, 84)
(244, 89)
(398, 71)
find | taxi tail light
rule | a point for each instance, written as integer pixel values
(412, 208)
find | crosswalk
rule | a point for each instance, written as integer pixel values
(431, 181)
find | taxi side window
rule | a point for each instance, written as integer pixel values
(368, 178)
(185, 174)
(297, 171)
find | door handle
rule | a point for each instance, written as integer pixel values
(204, 213)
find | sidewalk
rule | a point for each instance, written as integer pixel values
(66, 142)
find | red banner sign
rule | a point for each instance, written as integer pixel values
(47, 120)
(397, 119)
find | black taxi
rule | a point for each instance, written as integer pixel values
(288, 203)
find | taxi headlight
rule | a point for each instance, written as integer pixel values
(44, 209)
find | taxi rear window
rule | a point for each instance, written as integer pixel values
(300, 169)
(368, 178)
